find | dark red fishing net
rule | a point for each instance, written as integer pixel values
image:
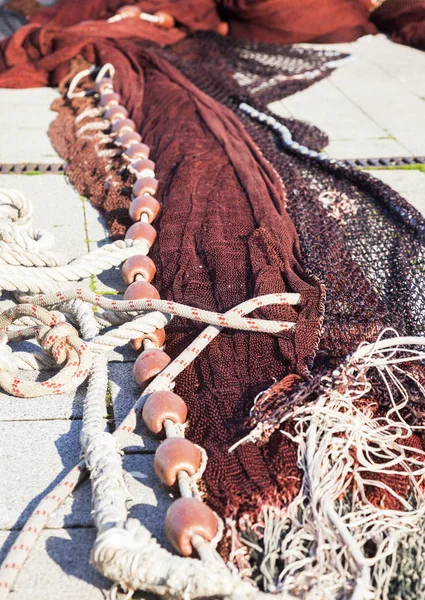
(359, 237)
(404, 20)
(224, 235)
(241, 217)
(55, 35)
(289, 22)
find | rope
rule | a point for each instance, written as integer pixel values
(118, 560)
(15, 207)
(34, 280)
(60, 340)
(14, 237)
(285, 134)
(102, 453)
(232, 319)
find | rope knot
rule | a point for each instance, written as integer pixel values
(56, 340)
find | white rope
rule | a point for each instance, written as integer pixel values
(76, 80)
(88, 113)
(129, 331)
(43, 279)
(102, 125)
(16, 238)
(15, 207)
(81, 315)
(108, 70)
(321, 540)
(102, 453)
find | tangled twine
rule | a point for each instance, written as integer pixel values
(322, 543)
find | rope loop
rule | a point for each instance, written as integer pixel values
(76, 80)
(60, 340)
(15, 207)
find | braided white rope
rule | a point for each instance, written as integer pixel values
(129, 331)
(232, 319)
(42, 279)
(18, 238)
(18, 258)
(81, 315)
(123, 551)
(106, 318)
(15, 207)
(102, 453)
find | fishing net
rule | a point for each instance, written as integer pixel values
(243, 216)
(404, 20)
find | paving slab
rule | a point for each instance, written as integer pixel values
(25, 117)
(97, 234)
(371, 106)
(44, 408)
(327, 107)
(280, 108)
(58, 567)
(409, 183)
(149, 499)
(366, 148)
(110, 283)
(124, 393)
(57, 208)
(122, 354)
(148, 502)
(35, 457)
(400, 62)
(387, 102)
